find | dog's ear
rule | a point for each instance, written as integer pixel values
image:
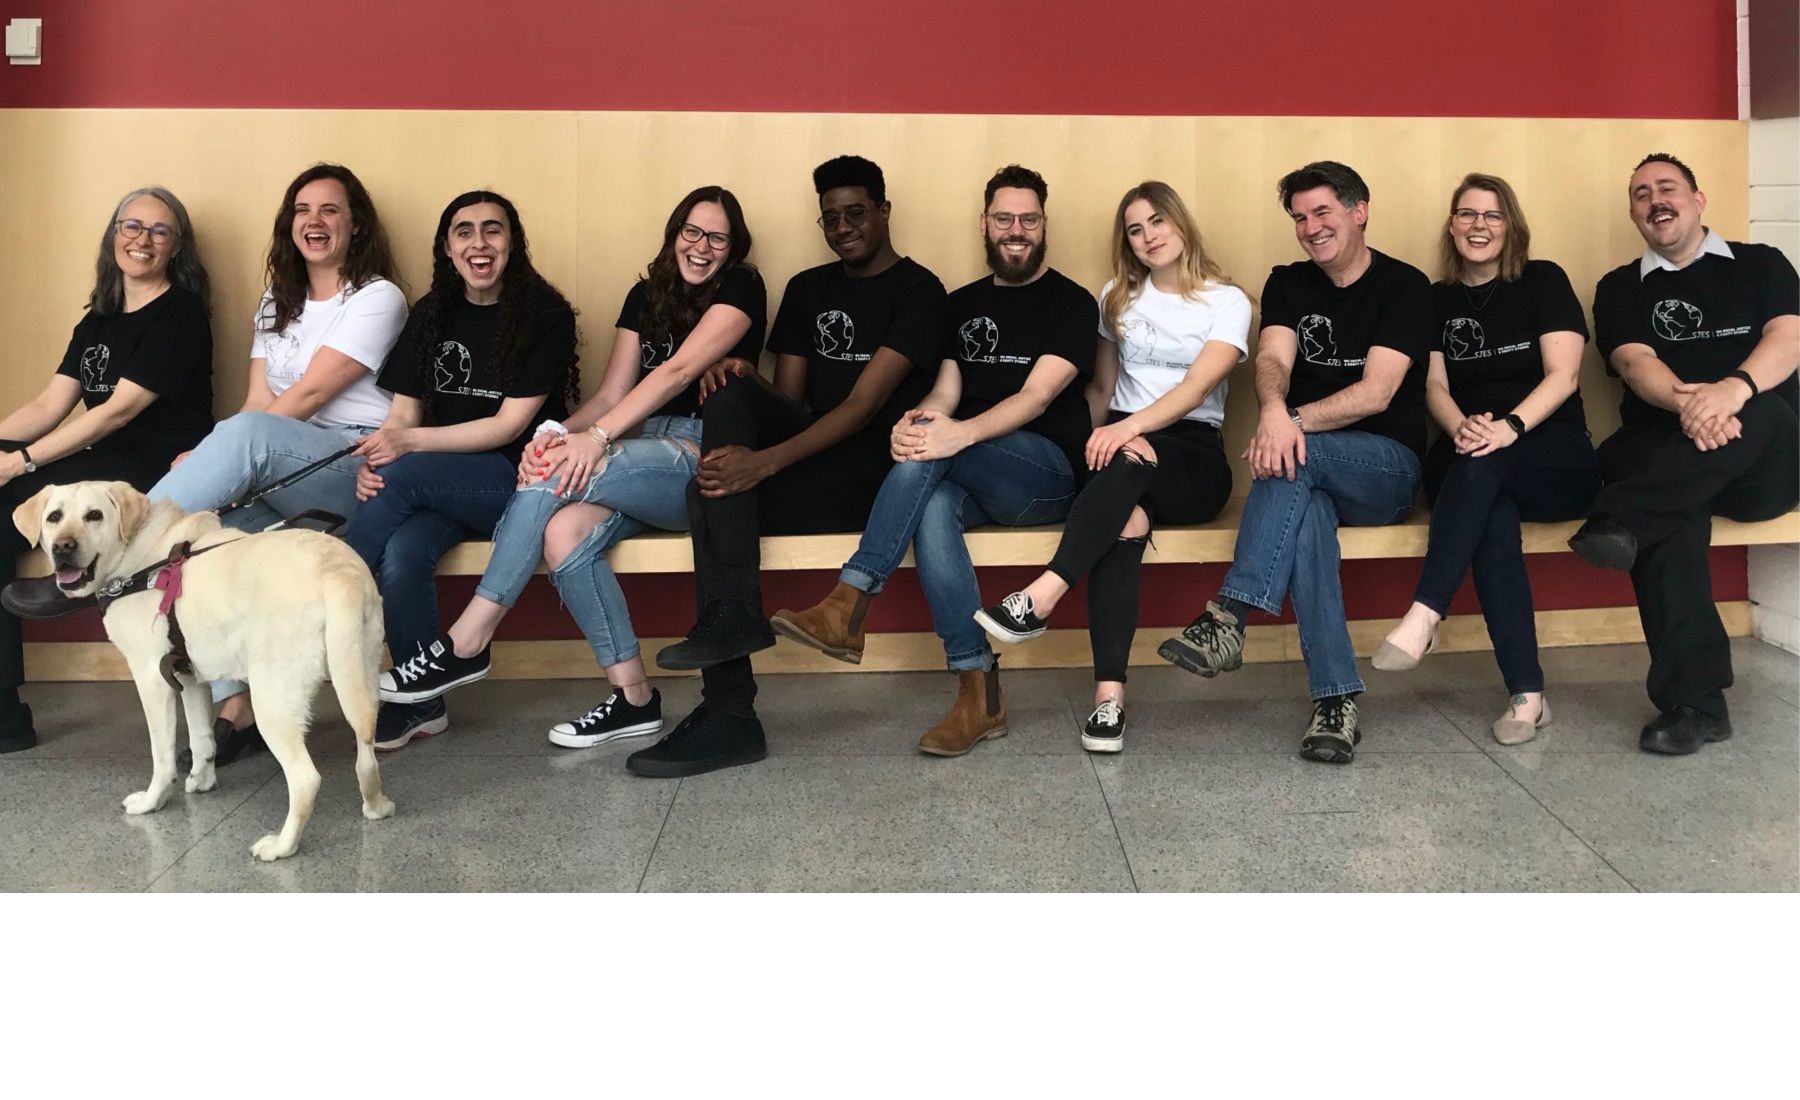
(133, 506)
(29, 516)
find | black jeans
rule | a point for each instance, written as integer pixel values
(1548, 476)
(1666, 492)
(829, 492)
(86, 465)
(1189, 482)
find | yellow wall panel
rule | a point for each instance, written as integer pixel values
(595, 187)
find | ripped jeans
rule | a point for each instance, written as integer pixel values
(645, 486)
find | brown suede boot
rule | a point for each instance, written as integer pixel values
(978, 714)
(833, 626)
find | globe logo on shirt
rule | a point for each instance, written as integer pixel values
(93, 369)
(652, 353)
(835, 332)
(283, 350)
(1463, 337)
(1137, 340)
(980, 338)
(1674, 319)
(1316, 339)
(451, 368)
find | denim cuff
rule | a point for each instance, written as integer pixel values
(1260, 603)
(861, 579)
(1351, 688)
(491, 596)
(975, 660)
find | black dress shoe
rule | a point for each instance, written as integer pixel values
(727, 630)
(228, 745)
(1681, 730)
(16, 731)
(705, 741)
(39, 598)
(1605, 543)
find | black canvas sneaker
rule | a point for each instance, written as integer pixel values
(432, 671)
(727, 630)
(1012, 620)
(705, 741)
(1105, 729)
(396, 724)
(614, 718)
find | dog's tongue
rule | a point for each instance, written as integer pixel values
(69, 576)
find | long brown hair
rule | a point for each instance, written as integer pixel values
(671, 305)
(1514, 254)
(1129, 273)
(368, 259)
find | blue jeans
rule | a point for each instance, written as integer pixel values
(251, 450)
(1016, 480)
(431, 501)
(1287, 542)
(645, 487)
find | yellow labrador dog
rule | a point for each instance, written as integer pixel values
(281, 610)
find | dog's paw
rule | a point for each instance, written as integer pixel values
(143, 802)
(270, 848)
(382, 807)
(202, 781)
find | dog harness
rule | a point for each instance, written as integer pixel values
(164, 577)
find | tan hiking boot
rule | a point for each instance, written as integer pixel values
(833, 626)
(978, 714)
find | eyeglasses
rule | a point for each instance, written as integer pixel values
(131, 229)
(853, 217)
(1027, 222)
(692, 233)
(1466, 217)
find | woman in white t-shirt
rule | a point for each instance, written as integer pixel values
(326, 323)
(1173, 325)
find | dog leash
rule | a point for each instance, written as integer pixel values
(282, 483)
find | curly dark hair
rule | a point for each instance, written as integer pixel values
(369, 257)
(1015, 175)
(671, 305)
(524, 296)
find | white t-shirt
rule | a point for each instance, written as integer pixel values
(1160, 335)
(362, 324)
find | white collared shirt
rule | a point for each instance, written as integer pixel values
(1654, 260)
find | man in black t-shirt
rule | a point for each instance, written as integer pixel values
(1340, 374)
(1705, 334)
(998, 439)
(806, 454)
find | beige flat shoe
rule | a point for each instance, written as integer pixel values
(1391, 658)
(1516, 731)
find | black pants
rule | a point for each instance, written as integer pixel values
(86, 465)
(1189, 482)
(1666, 492)
(1550, 475)
(830, 492)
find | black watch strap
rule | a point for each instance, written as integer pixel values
(30, 466)
(1744, 376)
(1518, 425)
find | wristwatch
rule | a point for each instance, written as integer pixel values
(1518, 425)
(1294, 415)
(30, 466)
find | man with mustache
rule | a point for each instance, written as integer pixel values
(997, 440)
(1340, 375)
(1706, 336)
(853, 341)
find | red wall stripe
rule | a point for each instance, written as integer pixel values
(1530, 58)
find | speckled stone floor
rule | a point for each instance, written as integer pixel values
(1208, 795)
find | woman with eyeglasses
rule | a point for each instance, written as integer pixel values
(1504, 385)
(140, 360)
(487, 349)
(584, 486)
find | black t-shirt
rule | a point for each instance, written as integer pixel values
(1702, 321)
(463, 383)
(1389, 307)
(165, 347)
(997, 333)
(741, 287)
(837, 323)
(1489, 335)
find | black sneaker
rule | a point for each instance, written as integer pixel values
(16, 731)
(1211, 644)
(614, 718)
(1013, 619)
(1105, 729)
(727, 630)
(704, 741)
(1332, 736)
(396, 724)
(229, 745)
(1681, 730)
(432, 671)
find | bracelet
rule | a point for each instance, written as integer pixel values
(1294, 415)
(1514, 421)
(1743, 376)
(600, 436)
(552, 426)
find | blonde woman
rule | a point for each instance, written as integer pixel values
(1172, 327)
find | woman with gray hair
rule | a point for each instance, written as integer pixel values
(140, 360)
